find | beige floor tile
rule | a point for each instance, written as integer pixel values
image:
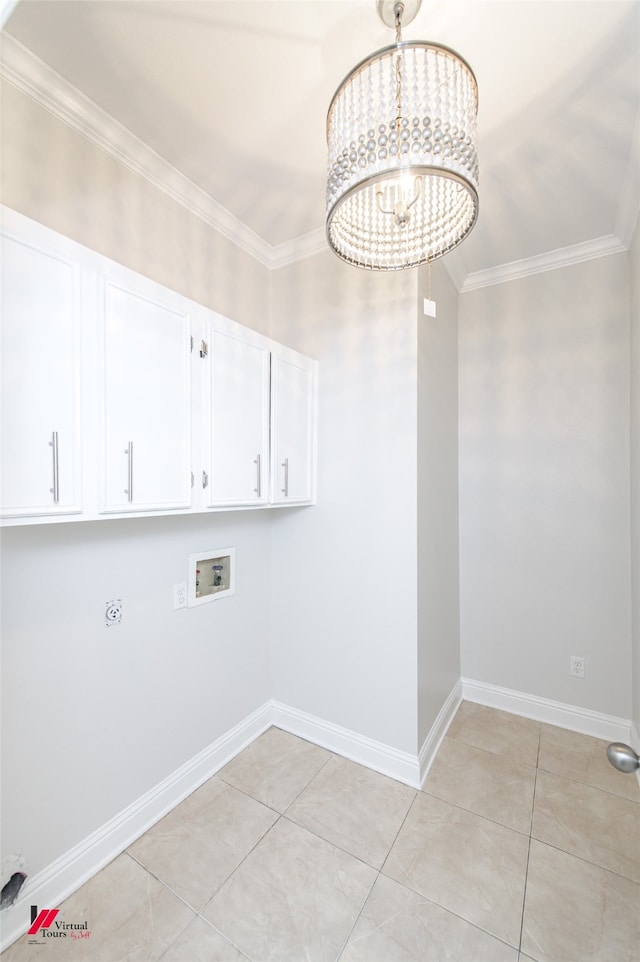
(496, 786)
(497, 731)
(200, 942)
(398, 925)
(584, 821)
(195, 847)
(130, 915)
(358, 810)
(585, 759)
(578, 912)
(295, 897)
(275, 768)
(469, 865)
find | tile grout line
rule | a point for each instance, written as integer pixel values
(225, 937)
(590, 787)
(248, 794)
(147, 870)
(432, 901)
(586, 861)
(386, 858)
(378, 874)
(526, 871)
(357, 918)
(469, 811)
(407, 884)
(596, 788)
(463, 918)
(312, 779)
(175, 894)
(197, 912)
(281, 816)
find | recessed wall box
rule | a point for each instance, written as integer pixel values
(211, 575)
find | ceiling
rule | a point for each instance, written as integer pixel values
(232, 95)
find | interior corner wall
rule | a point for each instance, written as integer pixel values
(438, 559)
(544, 484)
(93, 717)
(343, 573)
(634, 264)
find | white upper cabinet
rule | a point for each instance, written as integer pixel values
(41, 376)
(236, 417)
(146, 403)
(122, 397)
(293, 429)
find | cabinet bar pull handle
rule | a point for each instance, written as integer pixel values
(55, 490)
(258, 490)
(285, 465)
(129, 452)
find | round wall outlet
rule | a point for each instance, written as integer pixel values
(113, 614)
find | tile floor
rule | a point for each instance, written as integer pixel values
(523, 845)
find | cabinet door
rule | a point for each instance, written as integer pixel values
(239, 419)
(293, 423)
(146, 405)
(41, 461)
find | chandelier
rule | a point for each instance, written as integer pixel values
(402, 184)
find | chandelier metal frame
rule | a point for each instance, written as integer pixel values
(402, 184)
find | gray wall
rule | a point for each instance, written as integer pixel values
(59, 178)
(544, 484)
(438, 561)
(634, 262)
(344, 606)
(95, 717)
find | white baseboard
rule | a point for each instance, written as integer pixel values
(55, 883)
(438, 730)
(557, 713)
(376, 755)
(61, 878)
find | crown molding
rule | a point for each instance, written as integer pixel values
(21, 68)
(315, 242)
(550, 260)
(37, 80)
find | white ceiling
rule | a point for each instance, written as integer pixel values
(233, 94)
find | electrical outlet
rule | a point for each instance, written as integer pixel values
(576, 666)
(113, 614)
(180, 595)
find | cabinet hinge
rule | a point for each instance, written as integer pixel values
(204, 348)
(205, 479)
(191, 339)
(193, 480)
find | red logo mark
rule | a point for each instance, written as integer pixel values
(43, 921)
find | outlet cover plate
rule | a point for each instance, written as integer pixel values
(113, 614)
(180, 595)
(576, 666)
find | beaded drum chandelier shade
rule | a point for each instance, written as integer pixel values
(403, 166)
